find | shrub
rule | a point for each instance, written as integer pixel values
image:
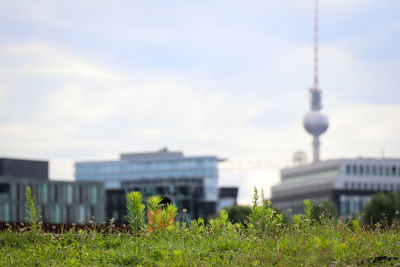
(262, 215)
(239, 214)
(326, 209)
(135, 209)
(220, 222)
(382, 207)
(160, 216)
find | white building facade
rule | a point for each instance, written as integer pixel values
(349, 183)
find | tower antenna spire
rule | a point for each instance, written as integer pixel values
(315, 122)
(316, 46)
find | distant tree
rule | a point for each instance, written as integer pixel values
(238, 214)
(325, 209)
(382, 207)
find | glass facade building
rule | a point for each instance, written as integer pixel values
(58, 201)
(189, 182)
(159, 165)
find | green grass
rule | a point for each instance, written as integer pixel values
(222, 243)
(265, 240)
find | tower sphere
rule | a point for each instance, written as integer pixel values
(315, 122)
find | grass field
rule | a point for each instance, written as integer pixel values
(331, 243)
(264, 241)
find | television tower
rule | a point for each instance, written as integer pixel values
(315, 122)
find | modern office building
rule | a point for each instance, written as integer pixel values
(349, 183)
(188, 182)
(58, 201)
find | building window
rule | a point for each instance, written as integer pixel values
(94, 195)
(6, 212)
(92, 213)
(361, 170)
(352, 204)
(365, 200)
(81, 214)
(17, 214)
(55, 193)
(387, 170)
(357, 203)
(68, 214)
(69, 194)
(393, 170)
(343, 204)
(367, 170)
(347, 169)
(44, 193)
(374, 170)
(56, 213)
(380, 170)
(17, 185)
(354, 169)
(44, 213)
(80, 194)
(115, 215)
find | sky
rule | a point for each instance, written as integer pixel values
(87, 80)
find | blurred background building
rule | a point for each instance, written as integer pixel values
(188, 182)
(59, 201)
(349, 183)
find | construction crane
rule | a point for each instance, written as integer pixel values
(248, 165)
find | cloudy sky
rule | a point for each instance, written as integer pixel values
(82, 80)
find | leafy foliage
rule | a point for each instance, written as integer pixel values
(382, 208)
(324, 210)
(307, 208)
(262, 215)
(160, 217)
(239, 214)
(31, 209)
(135, 210)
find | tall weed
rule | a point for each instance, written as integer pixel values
(32, 210)
(263, 216)
(135, 209)
(308, 208)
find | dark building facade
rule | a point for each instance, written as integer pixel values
(227, 197)
(34, 169)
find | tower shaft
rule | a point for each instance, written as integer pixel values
(315, 144)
